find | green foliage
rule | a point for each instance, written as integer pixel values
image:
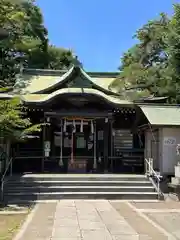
(152, 67)
(27, 44)
(174, 51)
(53, 58)
(24, 23)
(14, 124)
(59, 58)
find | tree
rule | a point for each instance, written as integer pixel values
(14, 124)
(27, 44)
(174, 53)
(59, 58)
(24, 23)
(152, 67)
(53, 58)
(144, 66)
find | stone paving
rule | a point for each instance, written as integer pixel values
(102, 220)
(165, 214)
(156, 205)
(41, 224)
(88, 220)
(169, 221)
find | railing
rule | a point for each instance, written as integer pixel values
(128, 161)
(8, 167)
(150, 172)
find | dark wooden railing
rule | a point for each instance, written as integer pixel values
(128, 161)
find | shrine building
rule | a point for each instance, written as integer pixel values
(91, 128)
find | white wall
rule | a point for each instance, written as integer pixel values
(163, 154)
(152, 147)
(169, 156)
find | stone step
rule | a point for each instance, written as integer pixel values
(80, 177)
(24, 183)
(80, 195)
(52, 189)
(21, 202)
(94, 178)
(33, 187)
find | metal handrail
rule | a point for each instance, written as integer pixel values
(9, 165)
(151, 172)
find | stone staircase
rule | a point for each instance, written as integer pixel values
(32, 187)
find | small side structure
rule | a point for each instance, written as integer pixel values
(162, 134)
(92, 128)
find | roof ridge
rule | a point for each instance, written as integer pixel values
(55, 72)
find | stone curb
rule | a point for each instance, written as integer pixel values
(26, 223)
(12, 212)
(159, 210)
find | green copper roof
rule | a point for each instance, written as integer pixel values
(162, 115)
(38, 83)
(43, 98)
(41, 81)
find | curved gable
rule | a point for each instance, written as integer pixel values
(44, 98)
(75, 77)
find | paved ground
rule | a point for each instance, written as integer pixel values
(102, 220)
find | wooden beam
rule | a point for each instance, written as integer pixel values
(79, 114)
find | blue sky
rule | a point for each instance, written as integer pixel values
(99, 31)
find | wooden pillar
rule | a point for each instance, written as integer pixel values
(95, 146)
(61, 145)
(43, 141)
(106, 143)
(111, 144)
(52, 154)
(46, 139)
